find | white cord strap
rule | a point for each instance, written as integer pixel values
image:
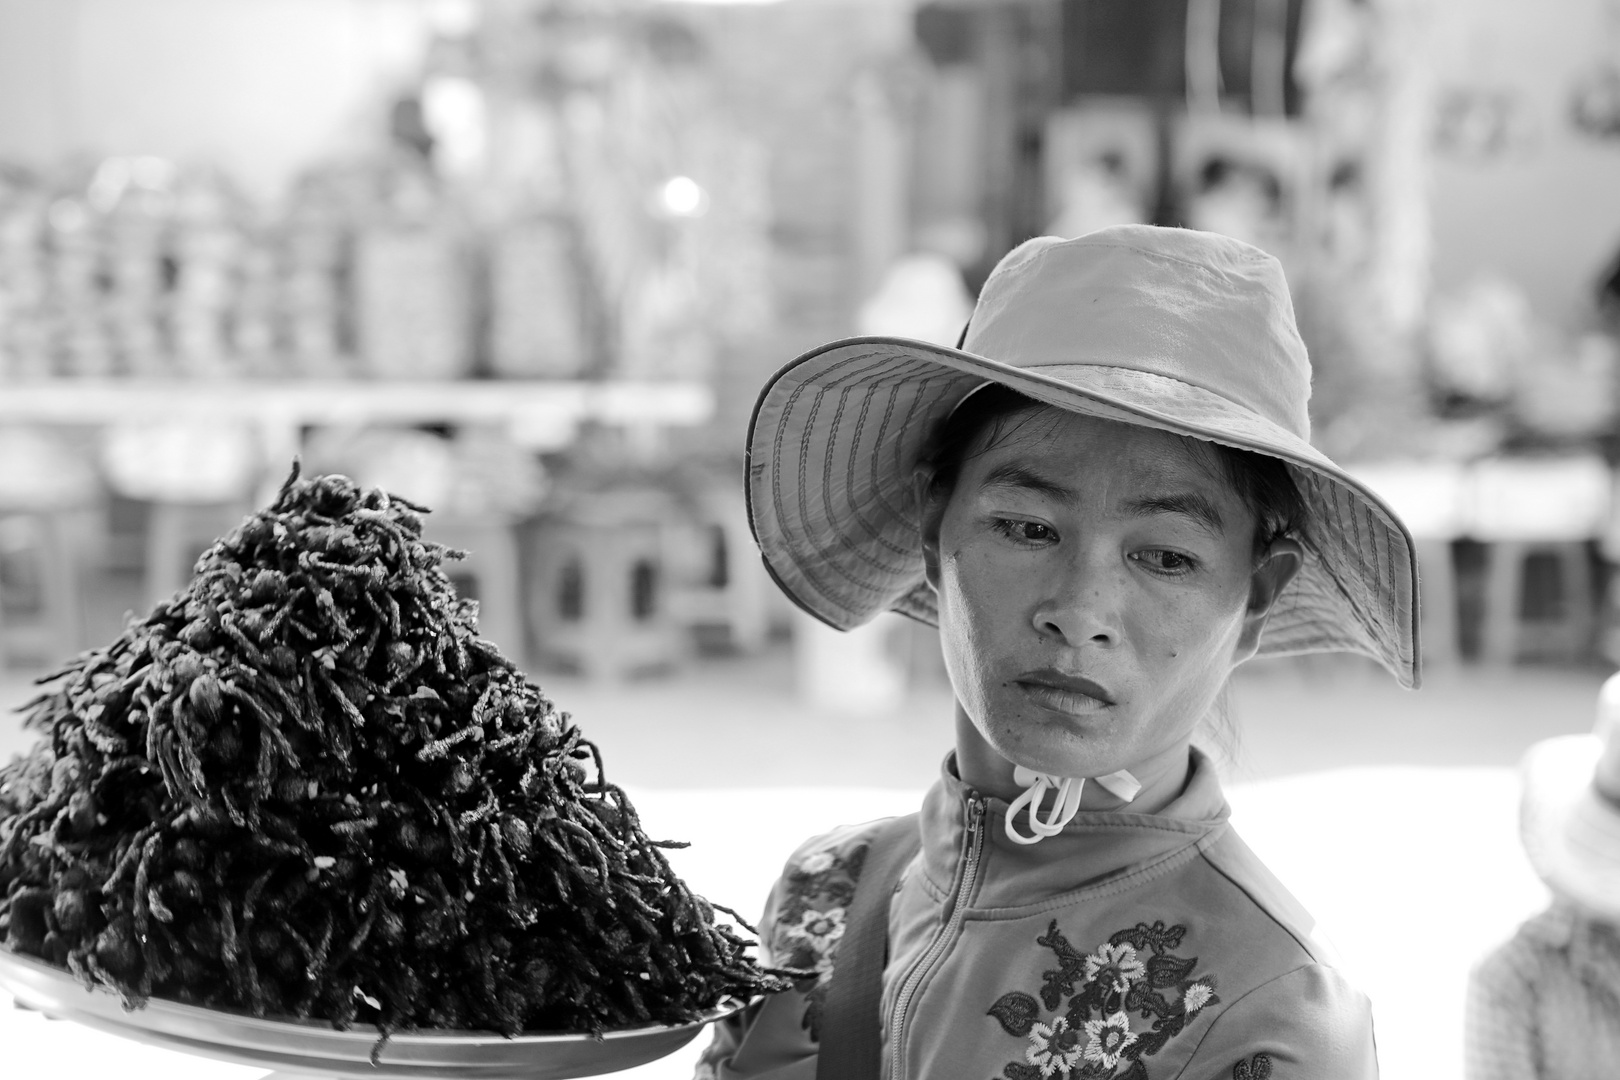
(1065, 804)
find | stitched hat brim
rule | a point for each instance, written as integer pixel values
(836, 436)
(1571, 834)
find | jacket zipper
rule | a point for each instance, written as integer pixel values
(941, 944)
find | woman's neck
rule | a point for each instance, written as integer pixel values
(1163, 775)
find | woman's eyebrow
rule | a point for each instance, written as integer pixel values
(1188, 504)
(1011, 474)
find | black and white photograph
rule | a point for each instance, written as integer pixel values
(809, 539)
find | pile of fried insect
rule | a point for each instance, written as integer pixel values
(305, 787)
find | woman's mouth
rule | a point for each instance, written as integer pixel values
(1064, 693)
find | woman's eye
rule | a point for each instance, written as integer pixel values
(1025, 532)
(1165, 562)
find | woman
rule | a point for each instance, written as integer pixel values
(1106, 500)
(1545, 1005)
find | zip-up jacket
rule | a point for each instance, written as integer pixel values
(1131, 946)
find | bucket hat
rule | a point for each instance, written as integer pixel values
(1184, 331)
(1570, 812)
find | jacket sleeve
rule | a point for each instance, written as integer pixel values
(775, 1037)
(1498, 1016)
(769, 1040)
(765, 1041)
(1309, 1024)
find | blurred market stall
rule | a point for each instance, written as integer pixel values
(428, 226)
(531, 259)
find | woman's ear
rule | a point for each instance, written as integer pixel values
(930, 512)
(1275, 569)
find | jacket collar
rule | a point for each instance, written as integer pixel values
(1096, 847)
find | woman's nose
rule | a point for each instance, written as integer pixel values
(1080, 605)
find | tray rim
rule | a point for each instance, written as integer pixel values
(238, 1036)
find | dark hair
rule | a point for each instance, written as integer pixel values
(1261, 481)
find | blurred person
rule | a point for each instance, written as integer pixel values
(1096, 194)
(1240, 199)
(921, 296)
(1106, 499)
(1546, 1004)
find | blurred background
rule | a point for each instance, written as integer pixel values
(529, 262)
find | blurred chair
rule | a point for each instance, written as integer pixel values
(50, 500)
(478, 486)
(598, 591)
(198, 478)
(723, 591)
(1429, 496)
(1546, 508)
(1608, 643)
(491, 567)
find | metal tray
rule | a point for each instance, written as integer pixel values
(316, 1049)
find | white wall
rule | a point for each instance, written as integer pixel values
(262, 87)
(1547, 213)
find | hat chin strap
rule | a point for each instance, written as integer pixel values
(1065, 804)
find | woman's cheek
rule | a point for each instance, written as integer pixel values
(970, 627)
(1192, 631)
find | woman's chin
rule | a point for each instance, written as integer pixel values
(1055, 762)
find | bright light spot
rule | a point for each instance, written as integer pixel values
(682, 197)
(455, 111)
(68, 215)
(112, 177)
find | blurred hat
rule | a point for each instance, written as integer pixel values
(922, 296)
(41, 469)
(1184, 331)
(180, 461)
(1570, 814)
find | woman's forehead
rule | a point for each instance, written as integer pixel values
(1064, 442)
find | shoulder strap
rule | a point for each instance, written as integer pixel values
(851, 1025)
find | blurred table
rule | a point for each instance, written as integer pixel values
(541, 414)
(1412, 873)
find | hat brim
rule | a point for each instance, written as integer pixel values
(836, 436)
(1571, 833)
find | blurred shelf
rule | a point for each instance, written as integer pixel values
(518, 402)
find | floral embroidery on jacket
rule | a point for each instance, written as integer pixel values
(816, 892)
(1257, 1069)
(1135, 974)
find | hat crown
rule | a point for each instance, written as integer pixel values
(1197, 307)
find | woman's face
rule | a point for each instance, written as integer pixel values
(1097, 583)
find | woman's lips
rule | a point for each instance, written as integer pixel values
(1065, 693)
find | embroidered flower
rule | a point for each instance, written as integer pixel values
(821, 929)
(1115, 966)
(1137, 973)
(1107, 1039)
(1054, 1047)
(817, 862)
(1196, 996)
